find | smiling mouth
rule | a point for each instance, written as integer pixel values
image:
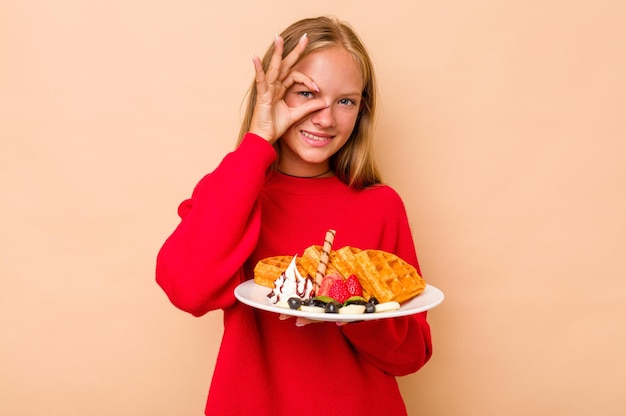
(314, 137)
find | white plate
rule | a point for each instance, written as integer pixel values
(255, 295)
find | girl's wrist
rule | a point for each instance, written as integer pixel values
(262, 134)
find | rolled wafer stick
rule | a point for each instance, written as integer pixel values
(326, 248)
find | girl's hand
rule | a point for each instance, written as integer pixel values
(271, 116)
(300, 321)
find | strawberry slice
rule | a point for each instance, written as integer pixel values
(339, 291)
(327, 282)
(354, 286)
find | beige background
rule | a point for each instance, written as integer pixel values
(502, 125)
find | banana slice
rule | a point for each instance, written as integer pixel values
(387, 306)
(352, 309)
(313, 309)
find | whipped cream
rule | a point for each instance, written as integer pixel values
(290, 284)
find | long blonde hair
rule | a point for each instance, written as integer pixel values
(354, 163)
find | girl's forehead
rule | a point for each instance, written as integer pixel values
(334, 67)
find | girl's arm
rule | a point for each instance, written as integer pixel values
(400, 345)
(200, 264)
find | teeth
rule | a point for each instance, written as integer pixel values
(312, 136)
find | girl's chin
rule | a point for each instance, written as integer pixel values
(313, 156)
(307, 154)
(314, 161)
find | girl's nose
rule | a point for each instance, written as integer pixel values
(324, 117)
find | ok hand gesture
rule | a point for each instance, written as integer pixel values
(271, 116)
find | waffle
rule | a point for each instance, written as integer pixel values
(269, 269)
(383, 275)
(387, 277)
(311, 258)
(344, 260)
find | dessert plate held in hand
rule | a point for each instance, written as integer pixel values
(255, 295)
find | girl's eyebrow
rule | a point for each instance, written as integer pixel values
(303, 87)
(348, 93)
(352, 94)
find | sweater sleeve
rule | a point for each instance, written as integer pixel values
(402, 345)
(200, 263)
(398, 346)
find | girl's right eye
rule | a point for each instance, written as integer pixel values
(306, 94)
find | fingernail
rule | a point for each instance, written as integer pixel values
(317, 89)
(303, 37)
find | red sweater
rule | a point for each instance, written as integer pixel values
(240, 213)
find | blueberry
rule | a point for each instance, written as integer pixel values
(332, 307)
(373, 301)
(370, 307)
(294, 303)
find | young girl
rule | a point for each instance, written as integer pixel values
(303, 165)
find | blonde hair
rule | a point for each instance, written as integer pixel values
(354, 163)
